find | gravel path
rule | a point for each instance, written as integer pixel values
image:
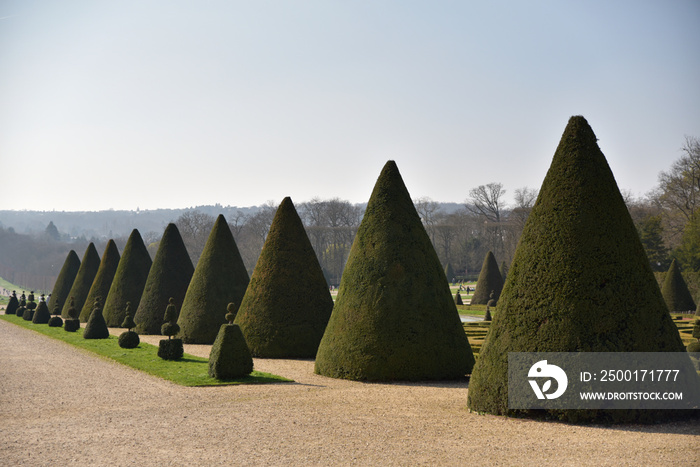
(60, 405)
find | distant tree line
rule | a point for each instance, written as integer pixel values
(667, 219)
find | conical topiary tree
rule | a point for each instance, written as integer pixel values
(458, 299)
(72, 322)
(96, 328)
(42, 315)
(490, 280)
(449, 273)
(580, 281)
(12, 305)
(129, 280)
(394, 317)
(64, 281)
(219, 278)
(230, 356)
(83, 280)
(675, 291)
(128, 339)
(168, 278)
(28, 314)
(56, 321)
(287, 305)
(103, 279)
(170, 349)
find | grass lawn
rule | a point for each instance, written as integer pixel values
(190, 371)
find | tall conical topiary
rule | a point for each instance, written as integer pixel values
(83, 280)
(12, 305)
(675, 290)
(169, 277)
(129, 280)
(96, 328)
(287, 305)
(490, 280)
(394, 317)
(42, 315)
(64, 281)
(580, 281)
(230, 356)
(219, 278)
(103, 279)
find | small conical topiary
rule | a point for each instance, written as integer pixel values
(458, 299)
(28, 314)
(12, 305)
(64, 281)
(103, 278)
(42, 315)
(287, 305)
(490, 280)
(170, 349)
(168, 278)
(72, 322)
(56, 321)
(230, 356)
(83, 280)
(491, 303)
(128, 339)
(394, 317)
(220, 278)
(129, 280)
(487, 314)
(96, 328)
(449, 273)
(580, 281)
(675, 291)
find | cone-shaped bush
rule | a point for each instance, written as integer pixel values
(219, 278)
(675, 290)
(169, 277)
(64, 281)
(490, 280)
(458, 299)
(28, 314)
(42, 315)
(449, 272)
(72, 322)
(287, 305)
(56, 321)
(394, 318)
(96, 328)
(230, 356)
(128, 339)
(580, 281)
(12, 305)
(129, 280)
(170, 349)
(103, 279)
(83, 280)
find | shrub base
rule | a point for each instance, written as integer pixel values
(170, 349)
(129, 340)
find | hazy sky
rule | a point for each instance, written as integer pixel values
(155, 103)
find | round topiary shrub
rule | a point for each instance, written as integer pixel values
(170, 349)
(230, 356)
(56, 321)
(129, 339)
(72, 322)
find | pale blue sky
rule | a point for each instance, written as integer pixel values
(126, 104)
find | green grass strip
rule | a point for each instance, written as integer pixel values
(190, 371)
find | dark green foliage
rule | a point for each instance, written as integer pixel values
(21, 310)
(103, 278)
(56, 321)
(394, 318)
(504, 270)
(28, 314)
(449, 273)
(688, 252)
(64, 281)
(696, 329)
(230, 357)
(490, 280)
(170, 349)
(220, 278)
(170, 327)
(487, 314)
(169, 276)
(12, 305)
(72, 322)
(675, 291)
(458, 299)
(83, 280)
(129, 340)
(694, 347)
(651, 235)
(96, 328)
(42, 315)
(128, 322)
(129, 280)
(231, 315)
(287, 305)
(579, 281)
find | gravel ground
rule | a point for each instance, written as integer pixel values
(60, 405)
